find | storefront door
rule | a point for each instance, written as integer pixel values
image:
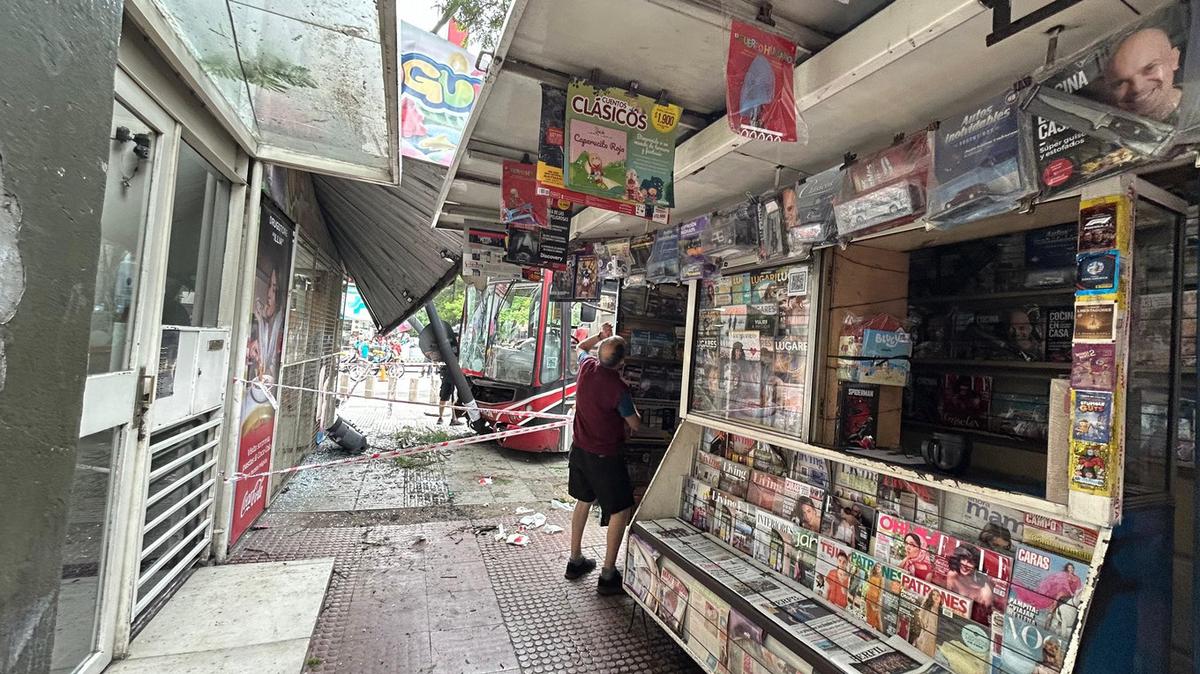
(126, 306)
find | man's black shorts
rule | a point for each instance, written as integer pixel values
(446, 392)
(605, 479)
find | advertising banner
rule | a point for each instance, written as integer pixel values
(439, 88)
(550, 163)
(264, 351)
(544, 248)
(620, 145)
(758, 84)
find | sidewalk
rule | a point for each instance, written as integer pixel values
(415, 589)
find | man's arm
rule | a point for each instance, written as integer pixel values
(629, 412)
(605, 332)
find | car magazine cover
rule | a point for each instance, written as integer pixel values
(848, 522)
(672, 600)
(966, 401)
(979, 163)
(1043, 607)
(810, 220)
(858, 415)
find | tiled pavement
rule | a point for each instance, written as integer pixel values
(434, 596)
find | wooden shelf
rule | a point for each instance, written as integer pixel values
(985, 297)
(990, 437)
(992, 364)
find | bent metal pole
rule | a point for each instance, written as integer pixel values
(450, 358)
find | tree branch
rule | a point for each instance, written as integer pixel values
(447, 14)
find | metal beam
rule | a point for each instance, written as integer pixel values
(893, 33)
(718, 12)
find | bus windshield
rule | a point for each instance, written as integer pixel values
(512, 340)
(478, 314)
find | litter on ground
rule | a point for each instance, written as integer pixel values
(485, 481)
(533, 521)
(523, 510)
(520, 540)
(559, 505)
(552, 529)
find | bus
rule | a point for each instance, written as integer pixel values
(519, 353)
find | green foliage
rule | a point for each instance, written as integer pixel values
(483, 19)
(449, 302)
(262, 70)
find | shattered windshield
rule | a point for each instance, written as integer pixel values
(513, 337)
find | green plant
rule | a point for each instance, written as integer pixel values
(483, 19)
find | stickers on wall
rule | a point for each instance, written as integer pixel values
(1095, 322)
(1103, 224)
(1091, 416)
(1097, 272)
(1094, 366)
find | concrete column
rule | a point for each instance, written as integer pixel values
(56, 97)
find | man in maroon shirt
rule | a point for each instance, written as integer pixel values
(604, 415)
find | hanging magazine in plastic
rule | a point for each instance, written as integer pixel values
(771, 242)
(733, 232)
(884, 189)
(693, 263)
(980, 164)
(809, 218)
(1128, 97)
(663, 266)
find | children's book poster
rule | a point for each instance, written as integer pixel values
(550, 180)
(620, 145)
(758, 84)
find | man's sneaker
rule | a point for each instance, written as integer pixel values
(580, 568)
(611, 585)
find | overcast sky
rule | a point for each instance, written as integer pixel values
(420, 13)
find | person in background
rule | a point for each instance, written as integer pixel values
(604, 415)
(447, 391)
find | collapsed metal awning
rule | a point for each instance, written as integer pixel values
(383, 236)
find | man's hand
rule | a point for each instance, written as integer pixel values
(606, 331)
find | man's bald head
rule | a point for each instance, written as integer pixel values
(611, 352)
(1140, 75)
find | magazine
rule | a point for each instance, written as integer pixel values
(641, 570)
(991, 525)
(697, 503)
(849, 522)
(672, 600)
(811, 469)
(966, 401)
(1057, 536)
(707, 627)
(745, 646)
(771, 459)
(735, 478)
(930, 616)
(914, 502)
(1043, 607)
(775, 540)
(708, 468)
(856, 484)
(835, 573)
(858, 414)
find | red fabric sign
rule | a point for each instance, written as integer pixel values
(759, 97)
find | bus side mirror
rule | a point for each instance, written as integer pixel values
(587, 313)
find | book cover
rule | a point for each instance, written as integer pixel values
(1060, 332)
(672, 600)
(858, 414)
(965, 400)
(1094, 366)
(1091, 420)
(1021, 415)
(849, 522)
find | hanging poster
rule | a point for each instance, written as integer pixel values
(978, 164)
(550, 163)
(520, 205)
(1129, 89)
(484, 253)
(264, 351)
(758, 84)
(439, 88)
(537, 246)
(620, 145)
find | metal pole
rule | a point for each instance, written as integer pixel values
(465, 397)
(1195, 496)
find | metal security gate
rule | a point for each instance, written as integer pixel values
(177, 526)
(310, 355)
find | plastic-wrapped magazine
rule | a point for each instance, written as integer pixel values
(771, 242)
(693, 262)
(884, 189)
(663, 265)
(809, 220)
(981, 166)
(733, 231)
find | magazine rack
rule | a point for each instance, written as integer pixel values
(738, 584)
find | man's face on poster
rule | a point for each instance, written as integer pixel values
(1140, 76)
(272, 293)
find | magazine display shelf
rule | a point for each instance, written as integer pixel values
(668, 499)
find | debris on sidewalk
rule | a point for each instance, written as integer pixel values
(485, 481)
(501, 534)
(523, 510)
(533, 521)
(485, 529)
(519, 540)
(559, 505)
(552, 529)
